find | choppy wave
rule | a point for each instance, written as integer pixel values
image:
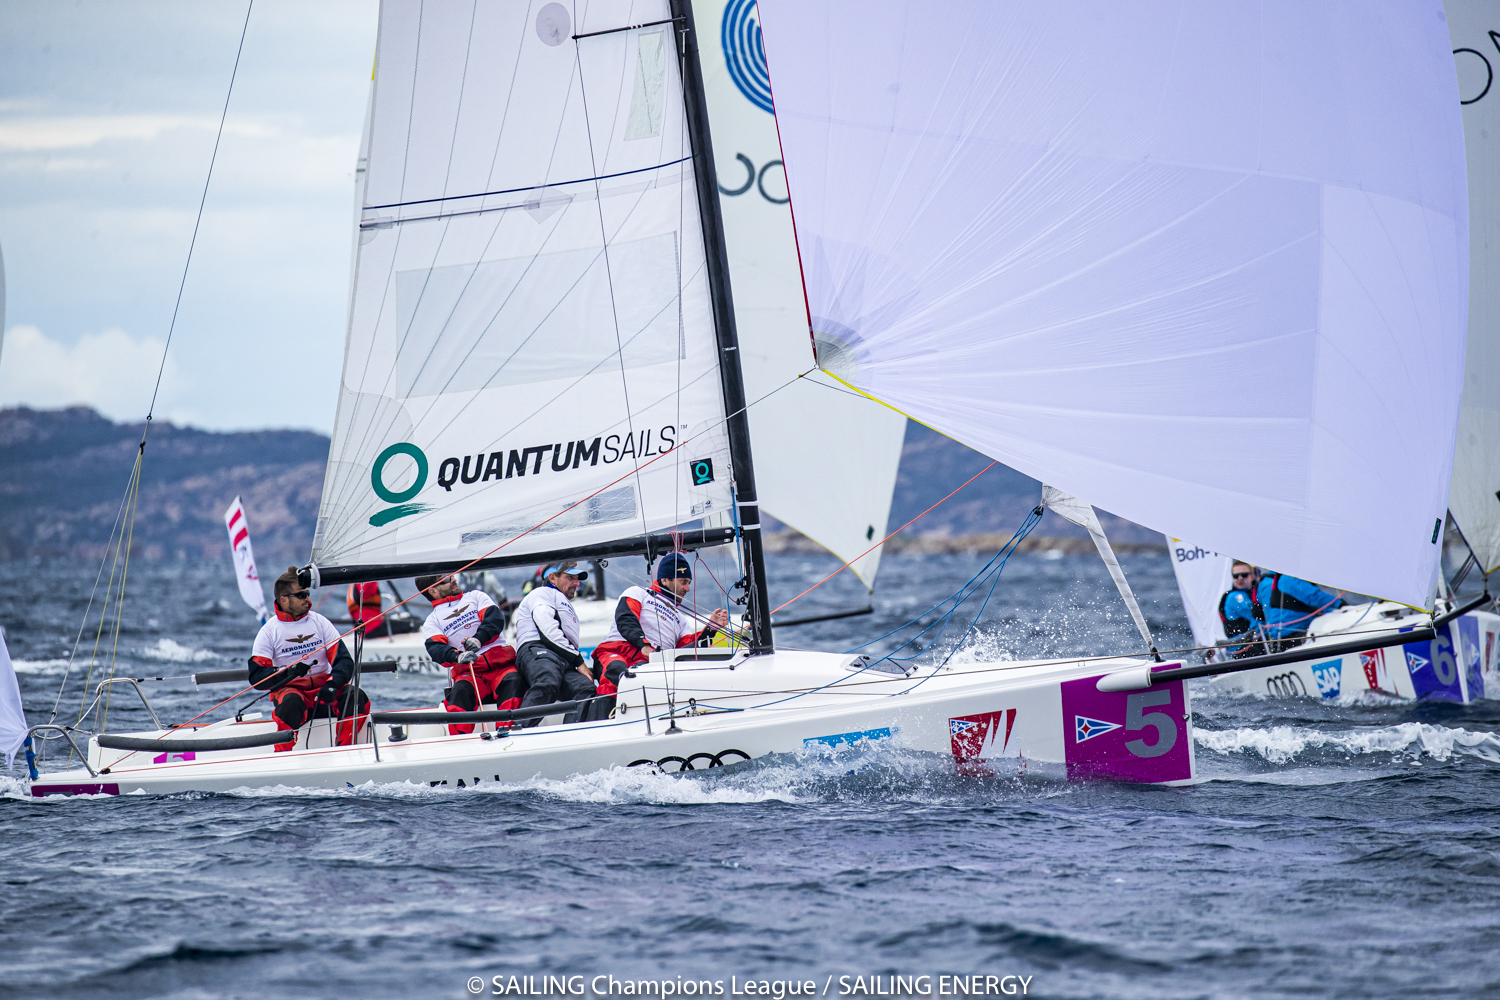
(56, 666)
(175, 652)
(1282, 744)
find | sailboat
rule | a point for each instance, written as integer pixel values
(1031, 235)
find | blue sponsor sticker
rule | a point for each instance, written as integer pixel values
(1330, 675)
(849, 739)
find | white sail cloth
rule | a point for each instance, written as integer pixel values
(243, 554)
(1217, 288)
(1202, 578)
(1474, 499)
(12, 715)
(825, 459)
(530, 329)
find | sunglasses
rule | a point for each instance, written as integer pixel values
(1237, 576)
(301, 595)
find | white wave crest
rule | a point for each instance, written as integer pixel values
(40, 666)
(174, 652)
(1281, 744)
(982, 646)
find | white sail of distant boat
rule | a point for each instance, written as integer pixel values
(825, 459)
(1475, 496)
(1245, 334)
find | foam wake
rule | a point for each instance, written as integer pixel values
(1282, 744)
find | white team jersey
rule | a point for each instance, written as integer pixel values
(312, 638)
(663, 621)
(545, 611)
(458, 618)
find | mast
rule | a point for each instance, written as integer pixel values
(696, 105)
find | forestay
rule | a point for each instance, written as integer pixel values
(1474, 499)
(530, 329)
(1205, 265)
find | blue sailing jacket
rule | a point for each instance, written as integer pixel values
(1291, 604)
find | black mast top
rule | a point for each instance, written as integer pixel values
(733, 384)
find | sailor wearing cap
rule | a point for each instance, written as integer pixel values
(648, 620)
(547, 642)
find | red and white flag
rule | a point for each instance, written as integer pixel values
(244, 558)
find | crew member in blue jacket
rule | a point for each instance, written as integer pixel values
(1241, 613)
(1291, 604)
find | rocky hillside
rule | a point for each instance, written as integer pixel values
(63, 474)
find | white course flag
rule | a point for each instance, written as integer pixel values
(1218, 289)
(530, 324)
(12, 715)
(1202, 578)
(244, 558)
(825, 459)
(1476, 461)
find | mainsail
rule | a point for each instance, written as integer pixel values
(1475, 496)
(531, 358)
(1204, 266)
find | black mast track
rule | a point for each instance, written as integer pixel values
(650, 546)
(696, 105)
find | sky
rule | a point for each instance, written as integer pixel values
(108, 112)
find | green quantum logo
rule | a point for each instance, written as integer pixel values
(377, 480)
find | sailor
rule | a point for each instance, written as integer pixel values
(547, 642)
(1241, 613)
(464, 631)
(364, 605)
(299, 657)
(1291, 605)
(648, 620)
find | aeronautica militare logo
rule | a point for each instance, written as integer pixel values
(1085, 728)
(744, 53)
(402, 508)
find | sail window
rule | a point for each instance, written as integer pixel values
(650, 86)
(532, 319)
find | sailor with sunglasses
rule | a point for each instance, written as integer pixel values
(299, 657)
(1243, 616)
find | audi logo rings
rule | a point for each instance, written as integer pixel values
(675, 765)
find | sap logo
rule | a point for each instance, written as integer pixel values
(1189, 555)
(1085, 728)
(1329, 675)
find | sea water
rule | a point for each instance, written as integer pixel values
(1330, 851)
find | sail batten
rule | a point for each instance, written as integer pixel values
(1218, 290)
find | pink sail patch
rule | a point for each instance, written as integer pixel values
(1126, 735)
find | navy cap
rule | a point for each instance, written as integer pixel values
(674, 566)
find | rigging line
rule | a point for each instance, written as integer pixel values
(887, 538)
(199, 221)
(88, 609)
(520, 190)
(114, 653)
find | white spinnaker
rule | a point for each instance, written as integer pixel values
(530, 323)
(1204, 264)
(825, 459)
(1476, 460)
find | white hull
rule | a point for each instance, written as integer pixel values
(1459, 666)
(410, 654)
(790, 702)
